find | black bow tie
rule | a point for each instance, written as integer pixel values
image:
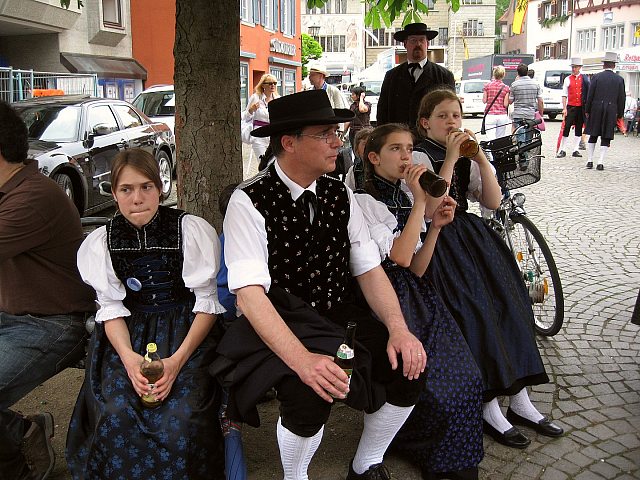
(413, 67)
(309, 203)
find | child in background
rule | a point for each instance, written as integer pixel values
(476, 275)
(443, 435)
(355, 175)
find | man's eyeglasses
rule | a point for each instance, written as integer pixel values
(270, 83)
(329, 137)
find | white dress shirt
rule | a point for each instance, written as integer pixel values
(245, 248)
(201, 250)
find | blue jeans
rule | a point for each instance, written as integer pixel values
(32, 350)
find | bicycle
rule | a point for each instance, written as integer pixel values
(517, 161)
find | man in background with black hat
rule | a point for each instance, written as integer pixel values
(405, 85)
(604, 106)
(295, 240)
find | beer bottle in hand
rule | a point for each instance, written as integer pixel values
(344, 357)
(152, 369)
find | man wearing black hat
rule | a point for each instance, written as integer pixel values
(295, 239)
(603, 108)
(405, 85)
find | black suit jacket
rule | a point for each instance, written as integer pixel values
(400, 96)
(605, 103)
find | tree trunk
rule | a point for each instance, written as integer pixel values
(207, 92)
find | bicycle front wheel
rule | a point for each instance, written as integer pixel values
(539, 273)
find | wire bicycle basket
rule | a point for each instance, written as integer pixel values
(516, 158)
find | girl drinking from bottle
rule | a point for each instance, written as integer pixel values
(154, 272)
(443, 435)
(478, 278)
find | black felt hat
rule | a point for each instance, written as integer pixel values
(415, 29)
(311, 107)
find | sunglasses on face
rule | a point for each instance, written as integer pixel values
(270, 83)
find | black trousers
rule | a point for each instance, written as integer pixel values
(303, 412)
(575, 116)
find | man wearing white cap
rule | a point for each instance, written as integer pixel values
(317, 75)
(574, 95)
(604, 106)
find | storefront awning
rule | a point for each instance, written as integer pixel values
(105, 67)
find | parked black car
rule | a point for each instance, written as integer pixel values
(74, 139)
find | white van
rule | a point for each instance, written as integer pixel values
(159, 104)
(470, 93)
(550, 75)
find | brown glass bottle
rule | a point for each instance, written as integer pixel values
(345, 355)
(433, 184)
(469, 148)
(152, 368)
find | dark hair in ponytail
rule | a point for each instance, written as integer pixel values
(377, 139)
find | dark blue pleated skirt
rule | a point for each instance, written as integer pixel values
(478, 279)
(111, 436)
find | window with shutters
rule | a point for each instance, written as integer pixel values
(547, 10)
(288, 17)
(547, 51)
(564, 7)
(245, 10)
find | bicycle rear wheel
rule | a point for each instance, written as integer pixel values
(539, 273)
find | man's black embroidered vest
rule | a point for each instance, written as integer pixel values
(461, 171)
(148, 261)
(310, 261)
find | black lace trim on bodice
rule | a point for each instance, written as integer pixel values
(396, 200)
(148, 261)
(461, 172)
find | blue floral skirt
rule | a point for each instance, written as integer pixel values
(444, 431)
(112, 436)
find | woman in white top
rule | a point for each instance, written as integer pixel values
(257, 115)
(154, 271)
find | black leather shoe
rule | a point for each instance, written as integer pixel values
(561, 154)
(589, 164)
(513, 437)
(600, 167)
(576, 154)
(543, 427)
(375, 472)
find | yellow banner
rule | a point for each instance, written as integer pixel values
(518, 16)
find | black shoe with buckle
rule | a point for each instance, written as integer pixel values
(37, 448)
(589, 164)
(561, 154)
(543, 427)
(375, 472)
(576, 154)
(600, 167)
(513, 437)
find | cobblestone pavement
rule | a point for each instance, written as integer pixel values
(590, 219)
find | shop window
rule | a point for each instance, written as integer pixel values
(277, 72)
(289, 81)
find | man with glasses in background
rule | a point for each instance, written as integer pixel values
(295, 239)
(405, 85)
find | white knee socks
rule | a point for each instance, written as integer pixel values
(563, 141)
(521, 404)
(576, 144)
(296, 452)
(603, 152)
(492, 414)
(591, 147)
(379, 429)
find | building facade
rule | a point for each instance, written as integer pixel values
(269, 42)
(339, 29)
(95, 39)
